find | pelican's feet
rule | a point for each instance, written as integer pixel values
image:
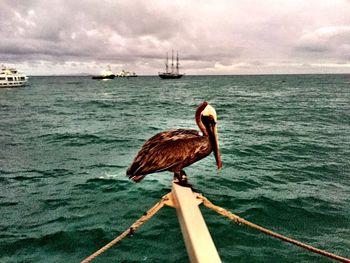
(181, 179)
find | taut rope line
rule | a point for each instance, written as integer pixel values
(152, 211)
(240, 220)
(148, 215)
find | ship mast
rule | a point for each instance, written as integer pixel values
(172, 61)
(166, 64)
(177, 63)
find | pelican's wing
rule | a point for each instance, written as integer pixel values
(162, 151)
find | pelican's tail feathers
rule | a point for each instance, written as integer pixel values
(136, 178)
(133, 173)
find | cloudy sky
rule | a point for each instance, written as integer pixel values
(50, 37)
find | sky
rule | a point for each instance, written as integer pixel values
(55, 37)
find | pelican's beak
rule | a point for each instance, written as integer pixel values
(208, 119)
(215, 144)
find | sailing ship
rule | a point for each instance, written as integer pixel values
(173, 73)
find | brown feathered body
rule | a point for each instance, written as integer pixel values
(173, 150)
(169, 151)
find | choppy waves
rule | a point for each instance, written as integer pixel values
(67, 142)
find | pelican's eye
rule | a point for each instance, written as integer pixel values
(210, 113)
(208, 119)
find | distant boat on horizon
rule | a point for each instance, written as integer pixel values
(105, 74)
(174, 72)
(10, 77)
(126, 74)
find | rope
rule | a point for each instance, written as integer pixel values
(152, 211)
(146, 216)
(240, 220)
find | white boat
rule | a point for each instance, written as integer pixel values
(105, 74)
(126, 74)
(10, 77)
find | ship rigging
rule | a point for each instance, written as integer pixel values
(174, 72)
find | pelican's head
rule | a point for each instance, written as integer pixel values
(210, 112)
(208, 118)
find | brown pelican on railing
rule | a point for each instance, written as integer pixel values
(173, 150)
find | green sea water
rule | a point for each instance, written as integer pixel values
(66, 142)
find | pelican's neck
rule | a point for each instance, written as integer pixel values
(199, 119)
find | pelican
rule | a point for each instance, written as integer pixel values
(175, 149)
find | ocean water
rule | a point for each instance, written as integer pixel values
(66, 142)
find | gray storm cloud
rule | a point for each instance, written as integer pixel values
(215, 37)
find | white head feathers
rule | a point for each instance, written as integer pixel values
(209, 111)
